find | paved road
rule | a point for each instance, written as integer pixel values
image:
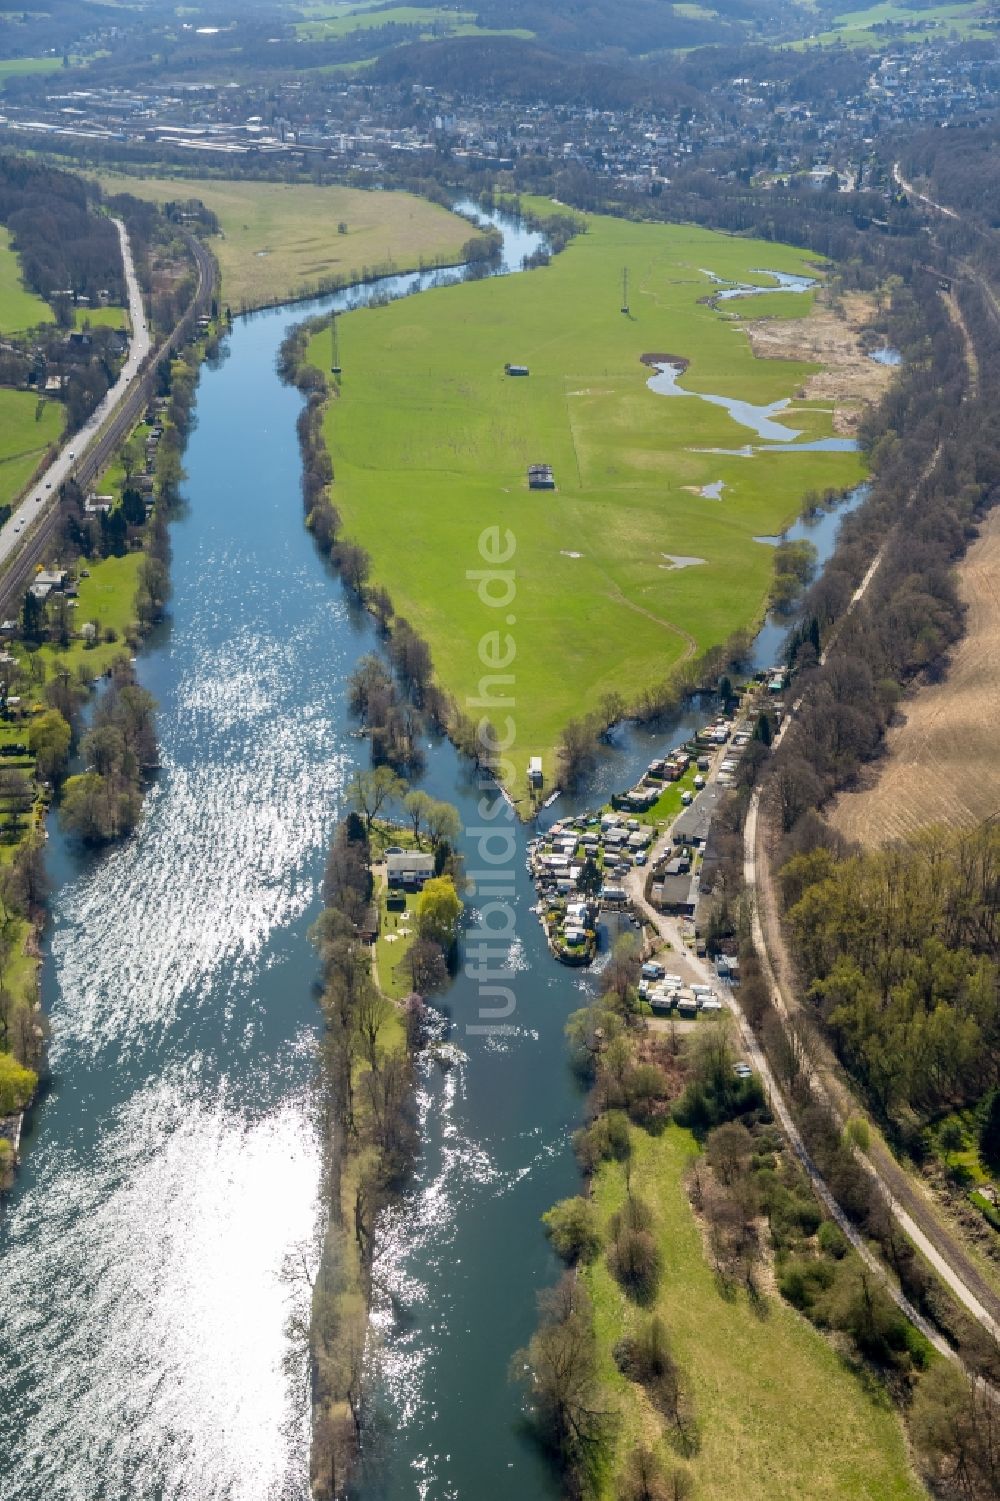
(914, 1215)
(911, 192)
(44, 493)
(697, 971)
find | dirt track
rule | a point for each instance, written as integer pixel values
(942, 764)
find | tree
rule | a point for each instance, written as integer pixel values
(16, 796)
(559, 1372)
(439, 909)
(951, 1139)
(17, 1084)
(370, 791)
(989, 1131)
(428, 970)
(371, 1014)
(85, 809)
(417, 804)
(355, 566)
(577, 753)
(956, 1430)
(762, 729)
(634, 1257)
(32, 617)
(49, 741)
(572, 1227)
(729, 1147)
(442, 822)
(591, 880)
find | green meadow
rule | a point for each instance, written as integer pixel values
(893, 21)
(20, 67)
(341, 20)
(19, 308)
(27, 427)
(780, 1413)
(431, 442)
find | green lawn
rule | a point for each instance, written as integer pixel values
(281, 240)
(905, 23)
(431, 443)
(394, 942)
(27, 426)
(17, 67)
(781, 1417)
(19, 308)
(433, 20)
(100, 317)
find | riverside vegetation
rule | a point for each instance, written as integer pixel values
(912, 1014)
(118, 562)
(662, 1363)
(366, 1087)
(278, 241)
(596, 587)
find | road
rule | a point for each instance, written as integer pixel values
(911, 192)
(913, 1213)
(697, 971)
(45, 491)
(122, 411)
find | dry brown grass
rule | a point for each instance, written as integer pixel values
(943, 765)
(850, 379)
(282, 240)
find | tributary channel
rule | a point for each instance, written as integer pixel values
(156, 1246)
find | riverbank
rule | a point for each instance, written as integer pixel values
(696, 1216)
(599, 596)
(274, 238)
(111, 572)
(368, 1101)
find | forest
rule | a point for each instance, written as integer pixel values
(63, 244)
(900, 950)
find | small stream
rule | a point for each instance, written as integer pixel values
(159, 1239)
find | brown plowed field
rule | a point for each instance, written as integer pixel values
(944, 762)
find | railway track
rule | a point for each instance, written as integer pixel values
(21, 566)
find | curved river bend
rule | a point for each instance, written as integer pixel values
(156, 1247)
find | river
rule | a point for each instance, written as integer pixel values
(156, 1246)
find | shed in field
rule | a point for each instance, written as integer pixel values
(540, 477)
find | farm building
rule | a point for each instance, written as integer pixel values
(540, 477)
(517, 370)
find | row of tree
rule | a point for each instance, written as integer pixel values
(64, 245)
(104, 802)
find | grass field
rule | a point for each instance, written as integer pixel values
(27, 427)
(18, 67)
(281, 240)
(891, 22)
(433, 21)
(100, 317)
(942, 764)
(19, 308)
(431, 443)
(780, 1415)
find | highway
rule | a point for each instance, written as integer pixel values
(28, 534)
(44, 492)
